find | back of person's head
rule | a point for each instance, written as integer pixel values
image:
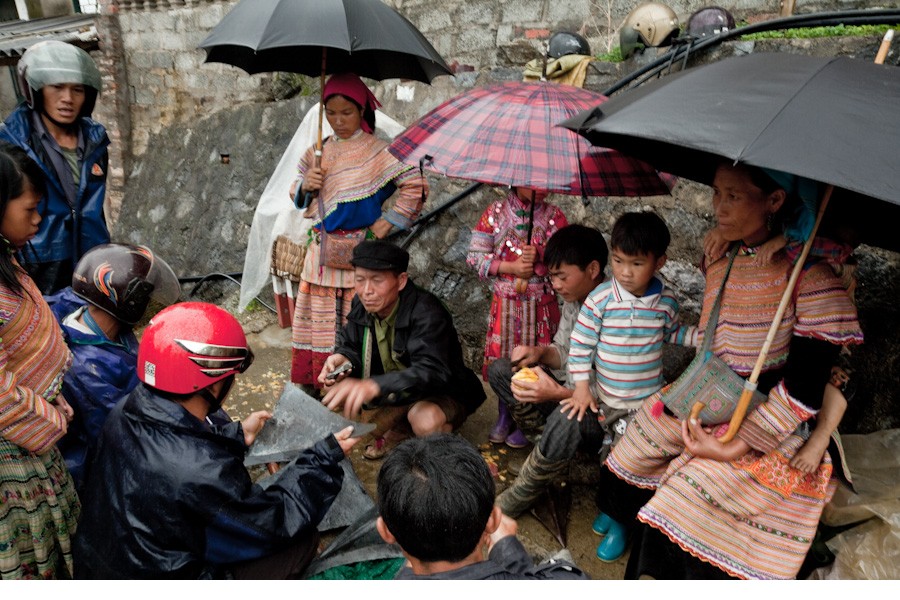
(187, 347)
(639, 233)
(435, 495)
(17, 171)
(52, 62)
(576, 245)
(123, 280)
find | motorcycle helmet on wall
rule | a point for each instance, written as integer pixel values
(563, 43)
(651, 24)
(711, 20)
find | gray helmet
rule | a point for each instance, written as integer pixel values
(565, 42)
(711, 20)
(123, 279)
(651, 24)
(53, 62)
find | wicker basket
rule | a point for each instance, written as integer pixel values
(287, 258)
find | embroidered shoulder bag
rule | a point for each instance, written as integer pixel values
(708, 379)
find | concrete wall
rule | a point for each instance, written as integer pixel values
(168, 83)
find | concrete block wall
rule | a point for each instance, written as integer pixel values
(167, 81)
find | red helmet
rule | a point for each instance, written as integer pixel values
(189, 346)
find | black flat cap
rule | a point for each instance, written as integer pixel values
(379, 255)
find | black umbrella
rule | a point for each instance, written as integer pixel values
(317, 37)
(366, 37)
(832, 120)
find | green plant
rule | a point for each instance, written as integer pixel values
(818, 32)
(253, 306)
(285, 86)
(614, 55)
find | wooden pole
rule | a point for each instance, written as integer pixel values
(318, 151)
(787, 8)
(885, 46)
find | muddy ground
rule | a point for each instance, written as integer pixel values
(261, 386)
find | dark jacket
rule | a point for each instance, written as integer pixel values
(507, 560)
(425, 342)
(66, 232)
(102, 374)
(167, 496)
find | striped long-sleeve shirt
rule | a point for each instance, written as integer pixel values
(620, 337)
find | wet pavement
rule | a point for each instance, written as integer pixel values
(262, 384)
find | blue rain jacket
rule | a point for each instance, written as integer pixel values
(102, 374)
(66, 232)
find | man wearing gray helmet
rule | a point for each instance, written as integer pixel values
(60, 84)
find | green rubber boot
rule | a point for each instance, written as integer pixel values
(536, 474)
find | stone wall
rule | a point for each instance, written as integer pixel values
(196, 211)
(168, 84)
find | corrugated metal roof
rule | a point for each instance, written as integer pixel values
(17, 36)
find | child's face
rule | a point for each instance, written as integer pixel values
(634, 271)
(21, 219)
(572, 283)
(526, 194)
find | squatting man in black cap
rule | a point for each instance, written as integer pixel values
(406, 363)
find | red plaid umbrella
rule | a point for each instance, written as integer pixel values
(507, 134)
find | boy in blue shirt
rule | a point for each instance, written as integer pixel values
(615, 356)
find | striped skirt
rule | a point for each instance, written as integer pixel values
(519, 321)
(754, 518)
(39, 510)
(319, 314)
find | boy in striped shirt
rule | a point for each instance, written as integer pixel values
(617, 341)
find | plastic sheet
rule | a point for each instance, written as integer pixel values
(275, 214)
(874, 461)
(870, 550)
(299, 422)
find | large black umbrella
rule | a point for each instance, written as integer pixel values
(832, 120)
(366, 37)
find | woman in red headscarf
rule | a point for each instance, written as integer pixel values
(357, 175)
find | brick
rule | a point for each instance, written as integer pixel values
(537, 34)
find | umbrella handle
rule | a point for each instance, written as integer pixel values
(321, 106)
(885, 46)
